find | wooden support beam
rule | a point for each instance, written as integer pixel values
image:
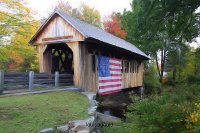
(57, 38)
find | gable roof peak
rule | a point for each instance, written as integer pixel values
(90, 31)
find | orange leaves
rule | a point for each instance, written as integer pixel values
(15, 60)
(113, 26)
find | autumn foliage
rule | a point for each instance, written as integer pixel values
(112, 25)
(17, 26)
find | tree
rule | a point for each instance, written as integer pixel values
(14, 15)
(84, 12)
(160, 26)
(17, 21)
(67, 8)
(90, 15)
(176, 62)
(197, 61)
(112, 24)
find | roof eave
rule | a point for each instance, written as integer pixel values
(144, 57)
(46, 22)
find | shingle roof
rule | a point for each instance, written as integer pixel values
(90, 31)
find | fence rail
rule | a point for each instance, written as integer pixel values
(31, 80)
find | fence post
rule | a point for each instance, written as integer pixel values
(141, 92)
(31, 79)
(56, 79)
(1, 80)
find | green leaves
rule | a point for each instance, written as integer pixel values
(84, 12)
(161, 26)
(151, 18)
(90, 15)
(17, 26)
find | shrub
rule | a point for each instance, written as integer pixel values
(156, 114)
(193, 119)
(172, 111)
(151, 80)
(170, 80)
(176, 109)
(193, 79)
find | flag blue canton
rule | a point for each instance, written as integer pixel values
(103, 66)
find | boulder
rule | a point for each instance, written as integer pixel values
(47, 130)
(96, 131)
(82, 129)
(82, 125)
(75, 123)
(107, 118)
(63, 129)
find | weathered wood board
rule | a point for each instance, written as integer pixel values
(85, 77)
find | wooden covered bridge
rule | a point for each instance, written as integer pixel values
(68, 45)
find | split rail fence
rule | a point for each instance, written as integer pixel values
(31, 80)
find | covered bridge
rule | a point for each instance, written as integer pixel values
(68, 45)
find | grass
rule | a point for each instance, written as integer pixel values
(31, 113)
(119, 128)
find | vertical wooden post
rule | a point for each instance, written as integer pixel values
(31, 79)
(141, 92)
(1, 80)
(75, 47)
(56, 79)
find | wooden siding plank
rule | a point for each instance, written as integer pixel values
(58, 27)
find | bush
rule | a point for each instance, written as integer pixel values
(193, 119)
(151, 80)
(168, 112)
(193, 79)
(170, 80)
(156, 114)
(176, 109)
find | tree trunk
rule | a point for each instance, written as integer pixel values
(158, 69)
(162, 64)
(174, 75)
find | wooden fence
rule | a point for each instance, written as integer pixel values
(31, 80)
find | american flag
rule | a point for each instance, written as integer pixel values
(110, 75)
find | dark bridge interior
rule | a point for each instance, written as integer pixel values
(62, 58)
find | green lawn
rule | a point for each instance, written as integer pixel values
(31, 113)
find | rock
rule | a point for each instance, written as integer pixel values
(79, 125)
(96, 131)
(107, 118)
(93, 103)
(75, 123)
(47, 130)
(63, 129)
(90, 95)
(82, 129)
(92, 110)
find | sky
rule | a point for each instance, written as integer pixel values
(45, 7)
(105, 7)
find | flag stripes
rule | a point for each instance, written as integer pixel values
(113, 82)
